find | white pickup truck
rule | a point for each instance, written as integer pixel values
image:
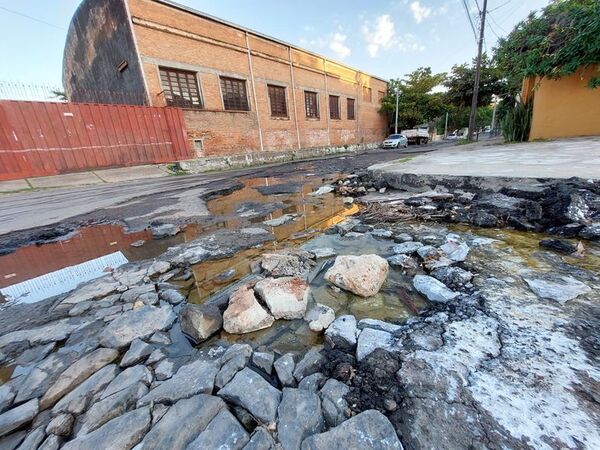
(417, 135)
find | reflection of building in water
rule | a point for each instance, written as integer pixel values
(63, 280)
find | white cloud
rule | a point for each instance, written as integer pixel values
(337, 44)
(419, 12)
(380, 35)
(409, 43)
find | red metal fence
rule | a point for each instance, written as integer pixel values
(48, 138)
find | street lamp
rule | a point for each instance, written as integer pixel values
(397, 97)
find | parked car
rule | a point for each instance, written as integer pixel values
(417, 136)
(395, 141)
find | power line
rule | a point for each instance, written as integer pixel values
(470, 19)
(31, 18)
(500, 6)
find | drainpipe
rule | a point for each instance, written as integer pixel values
(327, 102)
(294, 97)
(260, 137)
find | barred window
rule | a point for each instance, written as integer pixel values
(180, 88)
(235, 97)
(278, 101)
(311, 104)
(351, 109)
(367, 94)
(334, 107)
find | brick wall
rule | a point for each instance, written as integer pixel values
(171, 37)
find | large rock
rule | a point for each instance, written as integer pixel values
(367, 430)
(407, 248)
(197, 377)
(55, 331)
(371, 339)
(18, 416)
(455, 251)
(128, 378)
(287, 263)
(362, 275)
(7, 394)
(432, 289)
(284, 368)
(250, 391)
(78, 372)
(61, 425)
(299, 416)
(138, 351)
(319, 317)
(264, 361)
(261, 439)
(138, 323)
(341, 334)
(286, 297)
(182, 423)
(95, 289)
(224, 431)
(233, 360)
(311, 362)
(199, 322)
(42, 376)
(559, 288)
(244, 314)
(335, 407)
(124, 432)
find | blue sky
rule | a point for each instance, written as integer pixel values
(388, 38)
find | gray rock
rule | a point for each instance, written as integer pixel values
(261, 400)
(426, 251)
(591, 232)
(378, 325)
(403, 237)
(299, 416)
(278, 221)
(32, 441)
(335, 407)
(77, 373)
(13, 440)
(43, 375)
(133, 294)
(164, 230)
(138, 351)
(161, 338)
(284, 368)
(224, 431)
(189, 417)
(312, 382)
(403, 261)
(156, 356)
(432, 289)
(197, 377)
(407, 248)
(127, 378)
(61, 425)
(319, 317)
(77, 401)
(341, 334)
(369, 429)
(312, 362)
(453, 277)
(123, 432)
(138, 323)
(261, 439)
(7, 394)
(371, 339)
(326, 252)
(264, 361)
(557, 287)
(35, 354)
(382, 233)
(233, 360)
(158, 411)
(112, 406)
(287, 263)
(173, 296)
(52, 442)
(456, 251)
(199, 322)
(18, 416)
(99, 288)
(164, 369)
(54, 331)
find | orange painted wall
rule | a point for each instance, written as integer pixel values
(565, 107)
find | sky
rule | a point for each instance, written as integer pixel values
(387, 38)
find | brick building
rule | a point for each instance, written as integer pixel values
(242, 92)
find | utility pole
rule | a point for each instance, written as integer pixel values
(396, 127)
(473, 114)
(493, 126)
(446, 126)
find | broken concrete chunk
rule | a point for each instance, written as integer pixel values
(362, 275)
(286, 297)
(432, 289)
(199, 322)
(244, 314)
(341, 334)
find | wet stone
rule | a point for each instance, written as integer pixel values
(453, 277)
(224, 431)
(559, 245)
(319, 317)
(455, 251)
(299, 416)
(403, 261)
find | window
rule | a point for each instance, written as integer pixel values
(367, 94)
(334, 107)
(278, 101)
(350, 109)
(234, 93)
(311, 104)
(381, 95)
(180, 88)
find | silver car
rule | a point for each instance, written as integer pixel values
(395, 141)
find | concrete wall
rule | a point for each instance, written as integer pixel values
(565, 107)
(174, 37)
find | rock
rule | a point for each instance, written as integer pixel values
(164, 370)
(158, 267)
(323, 190)
(7, 394)
(369, 429)
(98, 288)
(453, 277)
(189, 417)
(556, 287)
(77, 401)
(407, 248)
(261, 401)
(233, 360)
(138, 243)
(277, 222)
(122, 432)
(244, 314)
(199, 322)
(158, 411)
(591, 232)
(432, 289)
(455, 251)
(18, 416)
(173, 296)
(312, 362)
(145, 291)
(224, 431)
(156, 356)
(286, 297)
(403, 261)
(261, 439)
(194, 378)
(61, 425)
(13, 440)
(312, 382)
(362, 275)
(112, 406)
(43, 375)
(287, 263)
(348, 200)
(484, 219)
(138, 351)
(31, 442)
(264, 361)
(164, 230)
(160, 337)
(335, 407)
(326, 252)
(299, 416)
(378, 325)
(284, 367)
(319, 317)
(128, 378)
(371, 339)
(341, 334)
(382, 233)
(558, 245)
(54, 331)
(402, 237)
(52, 442)
(77, 373)
(137, 324)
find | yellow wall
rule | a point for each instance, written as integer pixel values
(565, 107)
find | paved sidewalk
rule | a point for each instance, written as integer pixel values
(566, 158)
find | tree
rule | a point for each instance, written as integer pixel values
(418, 103)
(557, 42)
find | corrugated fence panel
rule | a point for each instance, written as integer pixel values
(49, 138)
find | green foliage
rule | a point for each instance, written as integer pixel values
(516, 123)
(556, 42)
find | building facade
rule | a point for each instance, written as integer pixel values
(241, 91)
